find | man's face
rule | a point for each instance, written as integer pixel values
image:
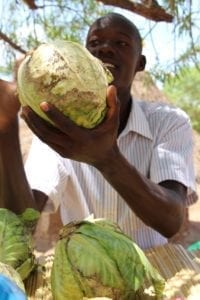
(114, 42)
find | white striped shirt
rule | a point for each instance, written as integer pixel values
(157, 141)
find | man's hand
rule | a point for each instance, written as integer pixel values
(9, 105)
(91, 146)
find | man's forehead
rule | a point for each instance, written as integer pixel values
(111, 22)
(116, 23)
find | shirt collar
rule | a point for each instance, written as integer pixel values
(137, 122)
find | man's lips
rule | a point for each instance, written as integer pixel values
(110, 65)
(113, 68)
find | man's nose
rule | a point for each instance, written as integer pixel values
(106, 47)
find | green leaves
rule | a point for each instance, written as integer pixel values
(16, 243)
(69, 77)
(55, 19)
(184, 91)
(98, 260)
(63, 281)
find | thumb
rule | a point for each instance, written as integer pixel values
(111, 95)
(112, 100)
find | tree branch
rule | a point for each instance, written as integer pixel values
(149, 9)
(152, 12)
(5, 38)
(31, 4)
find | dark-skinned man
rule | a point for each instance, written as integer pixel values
(135, 168)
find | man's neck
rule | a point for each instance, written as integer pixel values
(125, 108)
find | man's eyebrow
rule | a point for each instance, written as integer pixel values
(125, 34)
(121, 33)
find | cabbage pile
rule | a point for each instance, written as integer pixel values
(94, 258)
(12, 274)
(66, 74)
(16, 248)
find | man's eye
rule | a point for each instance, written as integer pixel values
(122, 43)
(93, 43)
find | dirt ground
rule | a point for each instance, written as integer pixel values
(190, 232)
(191, 229)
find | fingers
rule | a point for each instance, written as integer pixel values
(112, 103)
(40, 127)
(60, 120)
(53, 114)
(45, 130)
(111, 95)
(47, 133)
(63, 124)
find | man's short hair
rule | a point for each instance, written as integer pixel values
(126, 21)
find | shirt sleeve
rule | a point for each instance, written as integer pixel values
(45, 171)
(172, 157)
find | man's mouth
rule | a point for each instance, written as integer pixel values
(113, 68)
(109, 66)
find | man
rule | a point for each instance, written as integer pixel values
(135, 168)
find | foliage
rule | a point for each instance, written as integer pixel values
(55, 19)
(184, 90)
(185, 29)
(66, 19)
(16, 240)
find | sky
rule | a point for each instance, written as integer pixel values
(160, 44)
(158, 37)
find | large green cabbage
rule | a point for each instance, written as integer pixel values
(16, 248)
(66, 74)
(96, 259)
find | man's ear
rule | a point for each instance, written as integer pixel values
(141, 63)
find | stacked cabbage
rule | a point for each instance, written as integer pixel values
(16, 248)
(11, 284)
(69, 76)
(94, 258)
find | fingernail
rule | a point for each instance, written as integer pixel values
(44, 106)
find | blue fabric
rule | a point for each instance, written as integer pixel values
(9, 290)
(194, 246)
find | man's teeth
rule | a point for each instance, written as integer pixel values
(108, 65)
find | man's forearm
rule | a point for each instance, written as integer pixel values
(15, 193)
(158, 207)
